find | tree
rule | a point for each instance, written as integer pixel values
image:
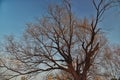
(58, 42)
(108, 64)
(61, 75)
(2, 72)
(23, 78)
(119, 78)
(113, 79)
(111, 61)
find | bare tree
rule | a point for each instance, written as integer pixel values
(58, 41)
(2, 73)
(60, 75)
(111, 62)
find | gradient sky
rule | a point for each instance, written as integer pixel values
(14, 14)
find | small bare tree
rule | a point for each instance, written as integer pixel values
(58, 41)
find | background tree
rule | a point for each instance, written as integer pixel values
(3, 71)
(23, 78)
(60, 75)
(111, 61)
(59, 41)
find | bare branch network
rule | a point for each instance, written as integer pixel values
(59, 41)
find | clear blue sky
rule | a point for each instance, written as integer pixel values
(14, 14)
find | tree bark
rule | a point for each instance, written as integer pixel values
(73, 72)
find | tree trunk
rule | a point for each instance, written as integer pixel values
(84, 77)
(86, 68)
(76, 76)
(73, 72)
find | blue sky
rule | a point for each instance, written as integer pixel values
(14, 14)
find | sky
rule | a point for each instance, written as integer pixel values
(15, 14)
